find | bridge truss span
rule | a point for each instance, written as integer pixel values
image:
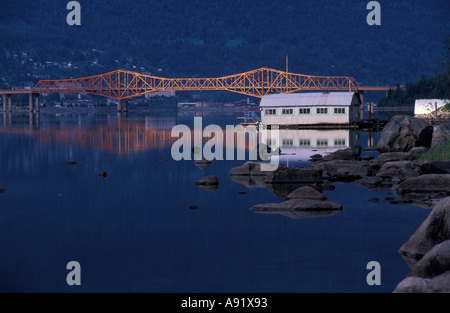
(122, 84)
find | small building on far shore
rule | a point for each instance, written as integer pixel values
(334, 108)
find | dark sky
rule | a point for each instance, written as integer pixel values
(215, 38)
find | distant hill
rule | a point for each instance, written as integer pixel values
(187, 38)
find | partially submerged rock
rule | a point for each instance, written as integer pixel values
(434, 263)
(283, 190)
(439, 284)
(316, 157)
(431, 274)
(203, 164)
(250, 168)
(433, 231)
(306, 192)
(284, 175)
(208, 183)
(249, 181)
(344, 170)
(208, 180)
(300, 208)
(343, 154)
(428, 187)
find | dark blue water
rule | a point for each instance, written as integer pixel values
(133, 230)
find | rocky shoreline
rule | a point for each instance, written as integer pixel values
(403, 141)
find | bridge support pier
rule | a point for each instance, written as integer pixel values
(31, 102)
(37, 102)
(34, 101)
(9, 101)
(370, 110)
(361, 108)
(122, 103)
(4, 103)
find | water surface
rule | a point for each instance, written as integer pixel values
(134, 230)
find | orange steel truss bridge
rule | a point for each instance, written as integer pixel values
(123, 85)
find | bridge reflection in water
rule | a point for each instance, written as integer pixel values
(121, 135)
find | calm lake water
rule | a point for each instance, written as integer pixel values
(133, 230)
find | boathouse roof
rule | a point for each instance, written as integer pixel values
(311, 99)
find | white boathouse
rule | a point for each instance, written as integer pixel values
(334, 108)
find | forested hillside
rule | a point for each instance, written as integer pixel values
(435, 87)
(175, 38)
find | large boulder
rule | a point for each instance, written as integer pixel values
(300, 208)
(439, 284)
(398, 171)
(403, 133)
(441, 134)
(434, 263)
(433, 231)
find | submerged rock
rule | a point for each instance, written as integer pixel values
(2, 190)
(72, 162)
(403, 133)
(300, 208)
(315, 157)
(102, 174)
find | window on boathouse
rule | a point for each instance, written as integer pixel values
(287, 111)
